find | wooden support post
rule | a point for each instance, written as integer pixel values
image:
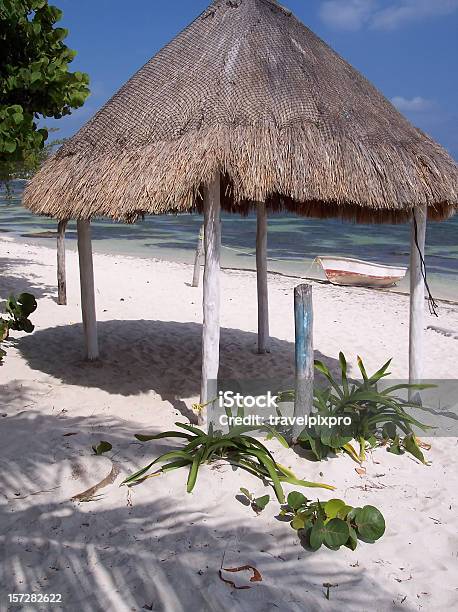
(261, 269)
(61, 281)
(417, 294)
(196, 275)
(87, 289)
(211, 291)
(303, 315)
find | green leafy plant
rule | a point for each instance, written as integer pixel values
(333, 523)
(378, 416)
(102, 447)
(18, 309)
(235, 447)
(257, 503)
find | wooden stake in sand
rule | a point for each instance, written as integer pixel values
(211, 296)
(303, 316)
(87, 289)
(261, 268)
(417, 294)
(61, 281)
(196, 275)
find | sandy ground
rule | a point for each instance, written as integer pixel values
(155, 547)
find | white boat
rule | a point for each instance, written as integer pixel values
(347, 271)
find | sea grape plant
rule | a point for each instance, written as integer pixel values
(18, 309)
(377, 416)
(333, 523)
(235, 447)
(102, 447)
(257, 503)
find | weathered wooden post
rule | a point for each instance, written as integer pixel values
(303, 315)
(196, 275)
(417, 294)
(87, 289)
(61, 280)
(211, 290)
(261, 270)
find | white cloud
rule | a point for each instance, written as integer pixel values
(354, 14)
(414, 104)
(346, 14)
(406, 11)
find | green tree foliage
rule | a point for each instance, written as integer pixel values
(34, 78)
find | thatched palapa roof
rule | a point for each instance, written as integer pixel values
(248, 90)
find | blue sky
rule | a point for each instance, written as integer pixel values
(407, 48)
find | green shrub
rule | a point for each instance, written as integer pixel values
(332, 523)
(18, 309)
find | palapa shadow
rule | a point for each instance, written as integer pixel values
(162, 356)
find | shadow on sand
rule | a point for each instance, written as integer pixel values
(163, 356)
(12, 282)
(155, 552)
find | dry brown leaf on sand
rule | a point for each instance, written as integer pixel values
(423, 445)
(88, 495)
(249, 574)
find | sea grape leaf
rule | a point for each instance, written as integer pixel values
(298, 523)
(343, 512)
(370, 523)
(261, 502)
(102, 447)
(336, 533)
(305, 537)
(317, 534)
(28, 303)
(296, 500)
(332, 507)
(352, 541)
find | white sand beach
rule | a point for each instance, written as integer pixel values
(155, 547)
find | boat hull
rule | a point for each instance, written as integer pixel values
(358, 273)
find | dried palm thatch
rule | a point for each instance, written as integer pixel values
(249, 91)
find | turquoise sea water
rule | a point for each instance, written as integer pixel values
(293, 241)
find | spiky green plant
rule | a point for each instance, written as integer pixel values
(378, 416)
(235, 447)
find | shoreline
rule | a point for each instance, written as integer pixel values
(293, 243)
(40, 241)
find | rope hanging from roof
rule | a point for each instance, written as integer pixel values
(432, 304)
